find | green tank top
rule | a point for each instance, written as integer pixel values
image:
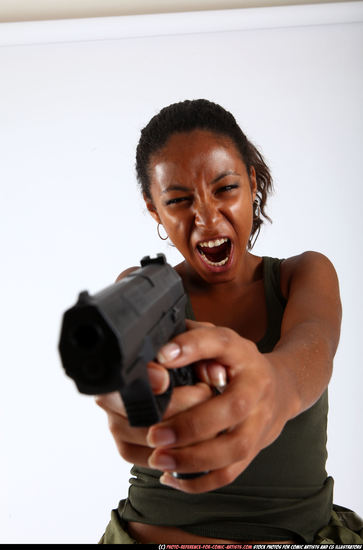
(284, 493)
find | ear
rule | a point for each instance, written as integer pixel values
(253, 182)
(151, 208)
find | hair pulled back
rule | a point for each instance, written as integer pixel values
(202, 114)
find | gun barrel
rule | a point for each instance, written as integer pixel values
(108, 338)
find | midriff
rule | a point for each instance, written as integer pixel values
(158, 534)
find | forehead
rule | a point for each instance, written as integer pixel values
(195, 152)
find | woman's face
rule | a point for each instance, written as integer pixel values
(203, 196)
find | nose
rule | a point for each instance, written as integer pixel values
(206, 213)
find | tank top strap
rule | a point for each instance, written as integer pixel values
(275, 303)
(271, 274)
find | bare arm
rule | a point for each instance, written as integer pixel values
(310, 328)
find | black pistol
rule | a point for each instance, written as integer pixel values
(107, 339)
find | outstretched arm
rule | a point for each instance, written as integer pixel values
(310, 327)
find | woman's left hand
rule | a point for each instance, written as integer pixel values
(225, 433)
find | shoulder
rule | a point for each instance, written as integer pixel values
(308, 266)
(310, 284)
(126, 272)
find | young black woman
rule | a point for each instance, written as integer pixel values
(264, 329)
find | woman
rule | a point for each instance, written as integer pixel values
(265, 331)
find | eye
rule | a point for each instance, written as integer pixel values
(177, 200)
(227, 188)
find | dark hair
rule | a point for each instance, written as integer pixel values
(202, 114)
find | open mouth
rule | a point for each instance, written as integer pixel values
(215, 252)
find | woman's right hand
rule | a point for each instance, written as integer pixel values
(130, 441)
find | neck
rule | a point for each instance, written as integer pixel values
(250, 270)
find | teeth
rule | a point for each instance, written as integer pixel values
(223, 262)
(211, 244)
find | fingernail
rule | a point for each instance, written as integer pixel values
(162, 462)
(169, 480)
(161, 437)
(168, 352)
(217, 374)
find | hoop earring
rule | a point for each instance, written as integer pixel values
(158, 230)
(257, 209)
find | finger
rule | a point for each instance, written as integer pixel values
(211, 372)
(185, 397)
(190, 426)
(216, 477)
(190, 324)
(131, 442)
(219, 343)
(135, 454)
(111, 402)
(229, 454)
(220, 452)
(208, 482)
(205, 420)
(123, 432)
(224, 458)
(159, 377)
(241, 443)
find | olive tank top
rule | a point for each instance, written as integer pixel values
(283, 494)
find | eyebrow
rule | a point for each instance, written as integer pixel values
(177, 187)
(224, 174)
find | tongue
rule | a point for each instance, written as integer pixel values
(216, 253)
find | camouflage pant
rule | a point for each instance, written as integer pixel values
(345, 527)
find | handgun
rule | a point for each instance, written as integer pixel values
(107, 339)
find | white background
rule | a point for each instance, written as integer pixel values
(72, 219)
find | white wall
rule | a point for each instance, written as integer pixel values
(71, 218)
